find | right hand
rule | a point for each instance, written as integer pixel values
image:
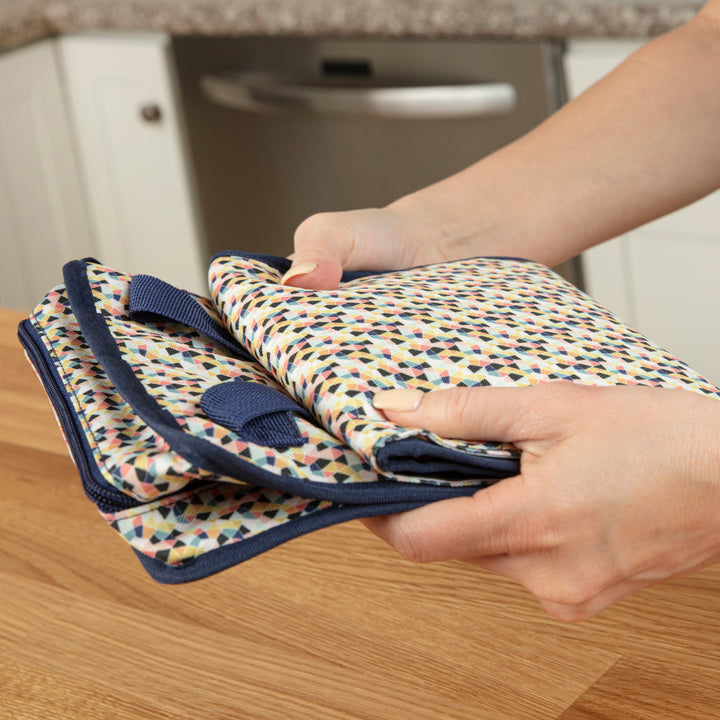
(619, 488)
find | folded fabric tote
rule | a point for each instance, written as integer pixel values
(208, 430)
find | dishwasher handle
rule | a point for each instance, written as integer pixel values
(261, 93)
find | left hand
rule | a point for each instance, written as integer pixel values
(619, 488)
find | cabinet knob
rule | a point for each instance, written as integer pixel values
(151, 113)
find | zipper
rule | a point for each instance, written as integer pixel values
(107, 500)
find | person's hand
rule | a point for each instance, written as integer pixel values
(619, 488)
(419, 229)
(328, 243)
(369, 239)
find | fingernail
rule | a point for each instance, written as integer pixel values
(303, 268)
(398, 400)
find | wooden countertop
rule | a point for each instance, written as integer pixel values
(329, 626)
(24, 21)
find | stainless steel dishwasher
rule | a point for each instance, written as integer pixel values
(282, 128)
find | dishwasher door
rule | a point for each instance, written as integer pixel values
(280, 129)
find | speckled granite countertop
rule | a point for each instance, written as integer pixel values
(24, 21)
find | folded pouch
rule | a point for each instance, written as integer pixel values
(481, 321)
(128, 367)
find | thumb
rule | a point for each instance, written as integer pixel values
(321, 246)
(512, 414)
(491, 522)
(328, 243)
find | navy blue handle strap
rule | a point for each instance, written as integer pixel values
(152, 299)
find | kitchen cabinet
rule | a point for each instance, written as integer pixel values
(43, 221)
(93, 162)
(121, 91)
(662, 277)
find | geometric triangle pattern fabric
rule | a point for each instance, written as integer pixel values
(188, 513)
(500, 322)
(170, 510)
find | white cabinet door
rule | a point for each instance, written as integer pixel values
(43, 223)
(662, 277)
(122, 94)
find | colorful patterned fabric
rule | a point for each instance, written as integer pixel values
(190, 471)
(492, 321)
(171, 526)
(171, 510)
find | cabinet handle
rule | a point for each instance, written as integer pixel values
(267, 94)
(151, 113)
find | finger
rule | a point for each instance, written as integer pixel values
(324, 245)
(313, 274)
(561, 595)
(328, 243)
(497, 520)
(577, 612)
(485, 413)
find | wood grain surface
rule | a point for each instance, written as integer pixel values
(331, 625)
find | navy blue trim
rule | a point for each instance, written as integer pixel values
(215, 561)
(415, 456)
(107, 497)
(151, 299)
(203, 453)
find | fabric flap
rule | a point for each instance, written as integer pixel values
(258, 413)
